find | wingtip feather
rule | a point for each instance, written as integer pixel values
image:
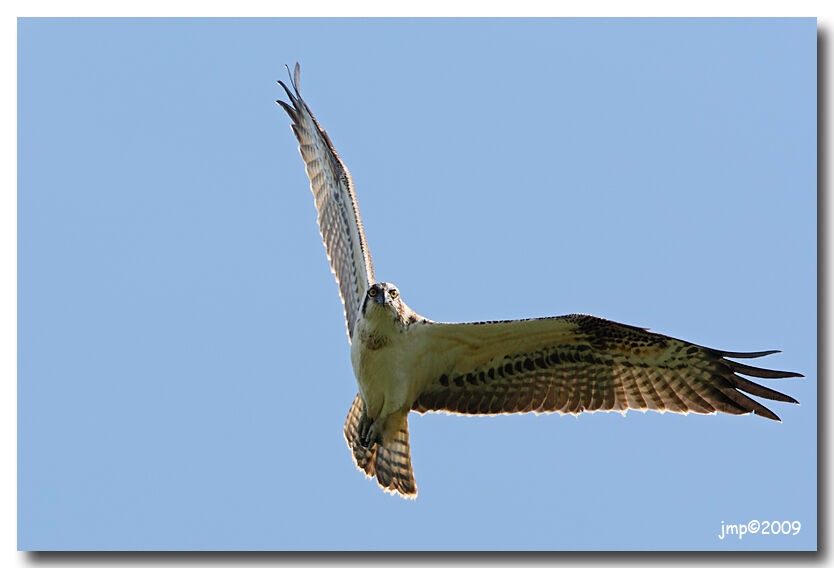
(760, 373)
(291, 96)
(289, 110)
(296, 76)
(769, 414)
(748, 354)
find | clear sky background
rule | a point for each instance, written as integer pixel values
(183, 363)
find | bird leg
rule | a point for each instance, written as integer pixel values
(364, 430)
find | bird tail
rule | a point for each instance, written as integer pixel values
(362, 456)
(389, 461)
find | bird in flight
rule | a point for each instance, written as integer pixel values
(570, 364)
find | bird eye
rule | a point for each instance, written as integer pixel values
(372, 292)
(394, 293)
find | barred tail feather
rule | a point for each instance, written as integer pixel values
(393, 463)
(389, 462)
(363, 457)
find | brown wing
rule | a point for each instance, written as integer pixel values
(581, 363)
(338, 212)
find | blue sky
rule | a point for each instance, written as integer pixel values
(183, 363)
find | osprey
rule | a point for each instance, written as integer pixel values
(570, 364)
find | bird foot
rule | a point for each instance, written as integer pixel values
(364, 430)
(368, 432)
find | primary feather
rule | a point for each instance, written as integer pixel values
(338, 213)
(581, 363)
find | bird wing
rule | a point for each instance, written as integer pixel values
(580, 363)
(338, 212)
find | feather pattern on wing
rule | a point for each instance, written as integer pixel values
(335, 198)
(579, 363)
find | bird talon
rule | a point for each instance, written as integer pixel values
(364, 431)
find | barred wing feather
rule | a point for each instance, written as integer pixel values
(579, 363)
(335, 198)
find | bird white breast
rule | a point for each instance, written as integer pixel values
(382, 356)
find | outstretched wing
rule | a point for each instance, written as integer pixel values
(338, 211)
(581, 363)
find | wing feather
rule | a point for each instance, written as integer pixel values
(335, 199)
(580, 363)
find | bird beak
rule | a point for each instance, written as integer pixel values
(380, 298)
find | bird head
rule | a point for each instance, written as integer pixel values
(382, 294)
(383, 300)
